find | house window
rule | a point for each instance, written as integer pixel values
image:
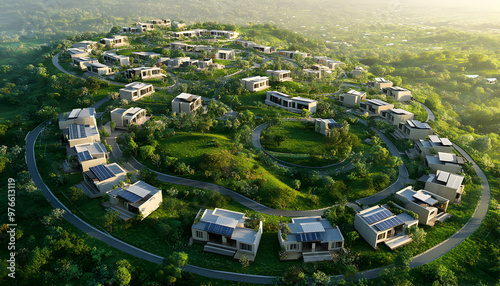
(199, 234)
(293, 246)
(244, 246)
(381, 236)
(338, 244)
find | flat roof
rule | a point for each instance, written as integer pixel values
(92, 148)
(255, 78)
(136, 85)
(98, 65)
(77, 131)
(76, 51)
(450, 180)
(382, 80)
(397, 88)
(355, 93)
(187, 97)
(417, 124)
(377, 102)
(400, 111)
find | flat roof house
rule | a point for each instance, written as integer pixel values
(447, 185)
(219, 33)
(378, 224)
(413, 130)
(100, 179)
(136, 90)
(84, 116)
(264, 49)
(358, 72)
(291, 54)
(330, 63)
(352, 97)
(99, 69)
(398, 93)
(280, 75)
(433, 145)
(245, 44)
(91, 154)
(124, 117)
(374, 106)
(312, 238)
(395, 116)
(325, 126)
(85, 45)
(224, 232)
(161, 22)
(186, 103)
(143, 27)
(145, 56)
(491, 80)
(77, 53)
(114, 59)
(187, 34)
(255, 83)
(84, 62)
(144, 73)
(177, 62)
(77, 134)
(428, 206)
(225, 54)
(293, 104)
(130, 30)
(115, 41)
(448, 162)
(379, 83)
(179, 46)
(139, 198)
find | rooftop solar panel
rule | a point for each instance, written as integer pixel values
(446, 142)
(443, 176)
(434, 138)
(84, 156)
(310, 236)
(74, 113)
(311, 227)
(101, 172)
(131, 197)
(389, 223)
(378, 216)
(219, 229)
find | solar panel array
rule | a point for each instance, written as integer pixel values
(84, 156)
(310, 236)
(74, 113)
(101, 172)
(390, 223)
(131, 197)
(219, 229)
(378, 216)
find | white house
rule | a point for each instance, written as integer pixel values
(448, 162)
(136, 90)
(255, 83)
(91, 154)
(186, 103)
(101, 179)
(280, 75)
(293, 104)
(138, 198)
(77, 134)
(428, 206)
(325, 126)
(114, 59)
(83, 116)
(124, 117)
(352, 97)
(447, 185)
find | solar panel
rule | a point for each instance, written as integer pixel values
(219, 229)
(131, 197)
(446, 142)
(390, 223)
(74, 113)
(310, 236)
(84, 156)
(101, 172)
(378, 216)
(312, 227)
(443, 176)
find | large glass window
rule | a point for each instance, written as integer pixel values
(244, 246)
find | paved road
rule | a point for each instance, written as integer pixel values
(430, 114)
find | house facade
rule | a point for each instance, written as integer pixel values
(91, 154)
(87, 46)
(136, 90)
(374, 106)
(177, 62)
(432, 146)
(379, 225)
(99, 69)
(280, 75)
(352, 97)
(161, 22)
(291, 54)
(84, 62)
(325, 126)
(447, 185)
(293, 104)
(225, 54)
(145, 56)
(448, 162)
(398, 93)
(77, 53)
(77, 134)
(312, 238)
(144, 73)
(255, 83)
(395, 116)
(114, 59)
(138, 198)
(358, 72)
(100, 179)
(330, 63)
(186, 103)
(428, 206)
(83, 116)
(124, 117)
(115, 42)
(379, 83)
(225, 232)
(413, 130)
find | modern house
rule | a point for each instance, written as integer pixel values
(136, 90)
(85, 45)
(374, 106)
(84, 62)
(125, 117)
(77, 53)
(77, 134)
(187, 34)
(255, 83)
(225, 54)
(293, 104)
(395, 116)
(448, 162)
(330, 63)
(161, 22)
(352, 97)
(99, 69)
(433, 145)
(144, 73)
(291, 54)
(179, 46)
(325, 126)
(177, 62)
(264, 49)
(100, 179)
(318, 71)
(312, 238)
(143, 27)
(191, 62)
(379, 83)
(226, 232)
(378, 224)
(219, 33)
(115, 42)
(398, 93)
(358, 72)
(280, 75)
(491, 80)
(186, 103)
(413, 130)
(428, 206)
(245, 44)
(145, 56)
(85, 116)
(91, 154)
(447, 185)
(130, 30)
(114, 59)
(138, 198)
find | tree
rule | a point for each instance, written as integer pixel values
(245, 262)
(305, 113)
(147, 151)
(76, 194)
(417, 234)
(122, 276)
(110, 218)
(320, 278)
(483, 144)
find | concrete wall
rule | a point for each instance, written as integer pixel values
(90, 139)
(152, 204)
(94, 162)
